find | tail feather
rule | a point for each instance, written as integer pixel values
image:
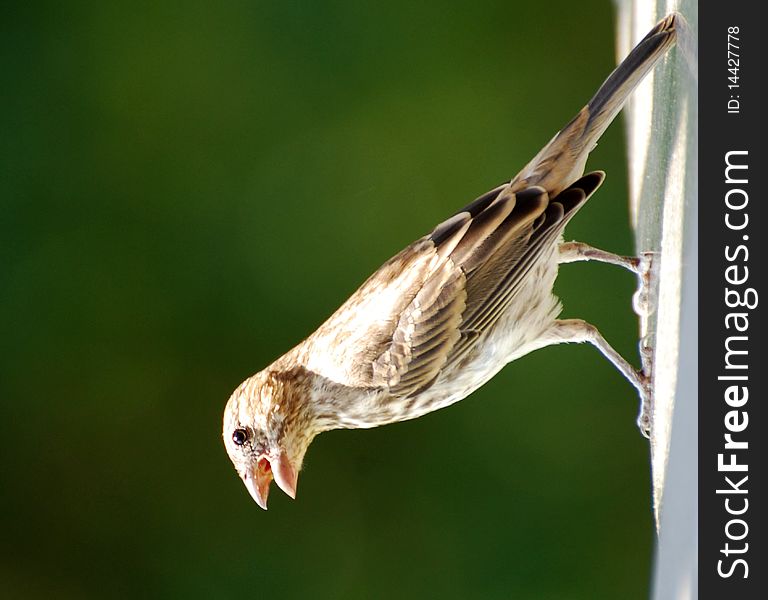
(607, 102)
(562, 160)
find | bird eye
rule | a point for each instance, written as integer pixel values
(240, 436)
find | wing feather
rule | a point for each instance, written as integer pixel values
(428, 306)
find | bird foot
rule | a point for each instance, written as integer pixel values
(644, 299)
(645, 377)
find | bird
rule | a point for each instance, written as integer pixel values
(447, 313)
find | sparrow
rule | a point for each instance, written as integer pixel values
(442, 317)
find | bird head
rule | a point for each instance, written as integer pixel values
(266, 432)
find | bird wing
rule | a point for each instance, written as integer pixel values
(425, 308)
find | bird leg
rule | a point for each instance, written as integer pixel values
(578, 331)
(642, 266)
(577, 251)
(643, 302)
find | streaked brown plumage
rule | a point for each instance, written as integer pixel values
(443, 316)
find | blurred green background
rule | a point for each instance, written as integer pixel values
(189, 189)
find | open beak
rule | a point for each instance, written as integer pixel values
(266, 469)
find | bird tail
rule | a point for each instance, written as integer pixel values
(607, 102)
(562, 160)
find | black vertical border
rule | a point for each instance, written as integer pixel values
(719, 133)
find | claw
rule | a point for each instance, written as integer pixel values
(646, 405)
(644, 301)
